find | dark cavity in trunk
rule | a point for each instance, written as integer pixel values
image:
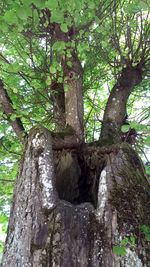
(77, 177)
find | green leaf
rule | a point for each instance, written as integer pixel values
(59, 45)
(69, 54)
(146, 231)
(147, 236)
(133, 7)
(124, 241)
(51, 4)
(91, 5)
(10, 17)
(13, 117)
(4, 27)
(64, 27)
(66, 87)
(48, 81)
(13, 67)
(125, 128)
(57, 16)
(3, 219)
(39, 3)
(1, 114)
(60, 80)
(23, 13)
(1, 247)
(15, 90)
(52, 70)
(69, 64)
(119, 251)
(132, 240)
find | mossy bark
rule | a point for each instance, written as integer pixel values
(72, 206)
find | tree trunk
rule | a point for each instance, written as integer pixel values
(71, 207)
(73, 86)
(58, 97)
(115, 110)
(74, 96)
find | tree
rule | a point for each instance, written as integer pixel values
(77, 201)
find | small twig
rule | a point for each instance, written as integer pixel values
(7, 181)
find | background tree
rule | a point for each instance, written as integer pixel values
(73, 201)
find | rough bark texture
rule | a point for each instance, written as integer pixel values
(115, 110)
(33, 198)
(58, 96)
(54, 222)
(74, 96)
(73, 84)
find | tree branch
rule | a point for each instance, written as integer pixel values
(115, 110)
(8, 109)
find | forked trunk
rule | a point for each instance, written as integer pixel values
(71, 207)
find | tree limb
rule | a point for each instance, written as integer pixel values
(8, 109)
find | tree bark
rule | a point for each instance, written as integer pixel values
(58, 97)
(115, 110)
(74, 96)
(73, 85)
(71, 207)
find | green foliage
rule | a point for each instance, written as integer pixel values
(146, 231)
(52, 70)
(64, 27)
(125, 128)
(59, 46)
(1, 248)
(51, 4)
(9, 156)
(120, 249)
